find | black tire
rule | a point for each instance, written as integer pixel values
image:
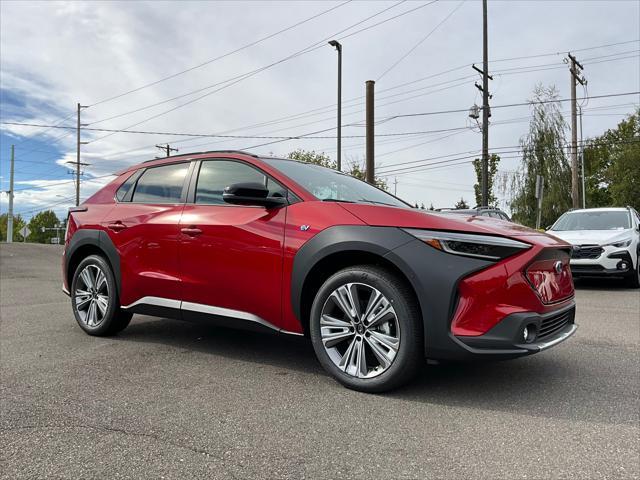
(410, 353)
(633, 280)
(114, 319)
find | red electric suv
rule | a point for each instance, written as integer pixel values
(276, 244)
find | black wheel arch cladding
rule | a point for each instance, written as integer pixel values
(432, 274)
(98, 239)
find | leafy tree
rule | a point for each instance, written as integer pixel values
(612, 166)
(543, 154)
(461, 204)
(18, 223)
(306, 156)
(356, 169)
(46, 219)
(493, 162)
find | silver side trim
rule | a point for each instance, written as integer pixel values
(555, 341)
(207, 309)
(65, 290)
(156, 301)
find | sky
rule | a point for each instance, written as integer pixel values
(264, 69)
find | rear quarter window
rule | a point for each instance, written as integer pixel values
(162, 184)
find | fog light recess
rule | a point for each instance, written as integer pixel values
(529, 333)
(623, 265)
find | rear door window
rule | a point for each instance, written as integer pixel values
(162, 184)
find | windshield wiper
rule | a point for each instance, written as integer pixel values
(376, 202)
(337, 200)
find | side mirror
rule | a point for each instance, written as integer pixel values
(251, 194)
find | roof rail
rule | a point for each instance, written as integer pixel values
(202, 153)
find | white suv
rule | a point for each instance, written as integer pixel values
(606, 242)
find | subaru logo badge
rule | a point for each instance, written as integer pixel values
(558, 266)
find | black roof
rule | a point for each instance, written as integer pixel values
(202, 153)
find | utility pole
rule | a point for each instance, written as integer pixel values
(485, 107)
(10, 211)
(584, 193)
(338, 47)
(575, 69)
(395, 186)
(78, 164)
(486, 110)
(167, 148)
(370, 162)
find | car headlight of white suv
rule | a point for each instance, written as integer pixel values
(619, 243)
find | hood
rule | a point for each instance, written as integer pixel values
(591, 237)
(383, 216)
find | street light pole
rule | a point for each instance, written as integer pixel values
(338, 47)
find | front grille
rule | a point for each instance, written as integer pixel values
(551, 325)
(586, 268)
(586, 251)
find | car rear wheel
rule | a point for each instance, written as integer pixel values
(94, 298)
(366, 329)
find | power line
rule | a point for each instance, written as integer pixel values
(208, 62)
(420, 42)
(65, 182)
(312, 135)
(238, 78)
(460, 110)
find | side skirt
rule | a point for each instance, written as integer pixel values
(197, 312)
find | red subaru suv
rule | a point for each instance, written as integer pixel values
(298, 249)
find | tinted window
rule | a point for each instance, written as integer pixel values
(161, 184)
(327, 184)
(215, 175)
(126, 186)
(593, 220)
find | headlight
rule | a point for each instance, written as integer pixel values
(619, 244)
(470, 245)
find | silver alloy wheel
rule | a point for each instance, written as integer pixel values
(360, 330)
(92, 296)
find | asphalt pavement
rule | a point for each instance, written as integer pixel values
(166, 399)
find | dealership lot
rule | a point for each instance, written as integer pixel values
(176, 400)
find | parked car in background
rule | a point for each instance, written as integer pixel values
(478, 211)
(293, 248)
(606, 242)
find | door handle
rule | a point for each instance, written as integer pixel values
(117, 226)
(191, 231)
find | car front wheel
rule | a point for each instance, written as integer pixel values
(94, 298)
(366, 329)
(633, 280)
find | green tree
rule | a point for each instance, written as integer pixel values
(543, 154)
(493, 162)
(18, 223)
(461, 204)
(46, 219)
(612, 166)
(356, 169)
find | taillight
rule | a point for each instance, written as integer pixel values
(550, 276)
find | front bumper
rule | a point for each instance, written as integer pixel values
(611, 263)
(506, 338)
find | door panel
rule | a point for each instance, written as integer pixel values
(146, 237)
(235, 261)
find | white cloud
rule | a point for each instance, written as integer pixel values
(55, 54)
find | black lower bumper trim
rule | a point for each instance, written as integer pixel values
(506, 338)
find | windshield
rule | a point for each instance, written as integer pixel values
(330, 185)
(595, 220)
